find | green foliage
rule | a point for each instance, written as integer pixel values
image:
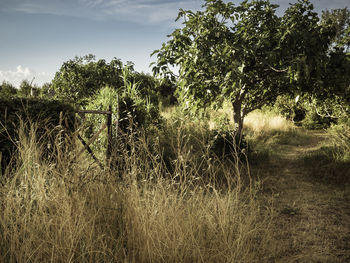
(45, 112)
(166, 90)
(340, 136)
(7, 90)
(136, 108)
(306, 113)
(25, 88)
(132, 110)
(46, 90)
(331, 96)
(291, 108)
(245, 54)
(333, 100)
(101, 101)
(315, 121)
(305, 43)
(82, 77)
(145, 84)
(225, 145)
(340, 20)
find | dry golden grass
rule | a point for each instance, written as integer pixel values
(259, 123)
(66, 210)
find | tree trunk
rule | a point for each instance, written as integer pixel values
(238, 118)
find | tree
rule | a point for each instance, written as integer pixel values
(340, 20)
(246, 53)
(25, 88)
(45, 90)
(7, 90)
(82, 77)
(333, 99)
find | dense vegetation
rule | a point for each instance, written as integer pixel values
(206, 165)
(250, 56)
(54, 116)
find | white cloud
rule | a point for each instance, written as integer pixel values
(24, 73)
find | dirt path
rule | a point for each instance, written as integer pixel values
(312, 222)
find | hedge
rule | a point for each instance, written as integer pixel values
(15, 110)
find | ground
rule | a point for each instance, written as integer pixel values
(312, 218)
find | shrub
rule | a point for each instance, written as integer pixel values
(225, 144)
(224, 141)
(7, 90)
(49, 113)
(340, 135)
(166, 93)
(290, 108)
(130, 109)
(314, 121)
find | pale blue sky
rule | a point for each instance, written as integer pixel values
(37, 36)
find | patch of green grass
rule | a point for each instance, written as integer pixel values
(293, 137)
(271, 143)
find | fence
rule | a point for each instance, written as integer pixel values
(107, 125)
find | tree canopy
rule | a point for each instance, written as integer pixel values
(7, 90)
(82, 77)
(245, 53)
(333, 99)
(340, 20)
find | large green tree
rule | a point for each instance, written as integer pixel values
(245, 53)
(82, 77)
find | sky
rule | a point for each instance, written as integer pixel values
(38, 36)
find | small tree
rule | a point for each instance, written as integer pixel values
(82, 77)
(246, 53)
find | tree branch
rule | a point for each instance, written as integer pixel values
(278, 70)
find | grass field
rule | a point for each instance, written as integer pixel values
(269, 207)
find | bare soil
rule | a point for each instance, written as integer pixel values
(312, 218)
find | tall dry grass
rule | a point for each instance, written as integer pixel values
(259, 122)
(66, 209)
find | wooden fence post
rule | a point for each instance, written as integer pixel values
(109, 136)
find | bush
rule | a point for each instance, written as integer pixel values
(49, 113)
(314, 121)
(7, 90)
(290, 108)
(132, 111)
(303, 112)
(166, 93)
(340, 136)
(225, 143)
